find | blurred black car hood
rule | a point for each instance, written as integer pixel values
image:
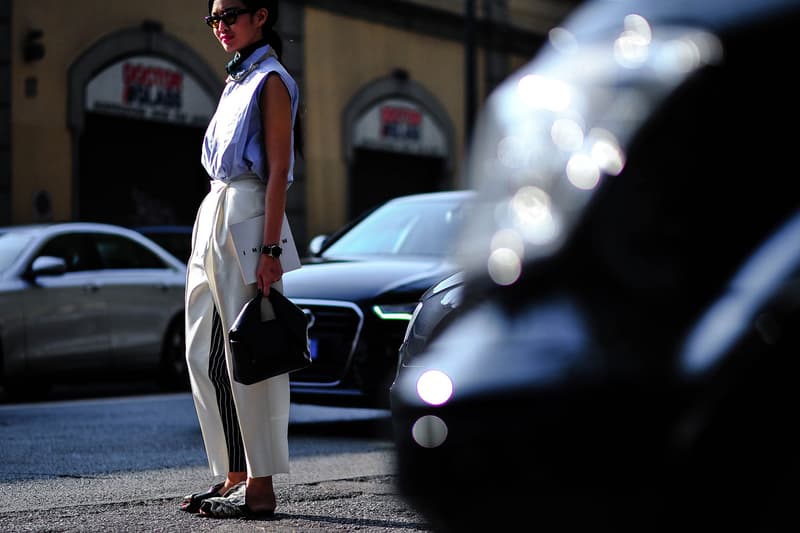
(363, 279)
(593, 19)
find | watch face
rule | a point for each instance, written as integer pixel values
(272, 250)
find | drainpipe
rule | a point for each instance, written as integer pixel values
(470, 89)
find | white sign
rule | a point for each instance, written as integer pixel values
(399, 125)
(149, 88)
(248, 236)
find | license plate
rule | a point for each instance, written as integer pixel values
(312, 348)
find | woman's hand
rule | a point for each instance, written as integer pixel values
(268, 272)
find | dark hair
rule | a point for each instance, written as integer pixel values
(273, 38)
(268, 30)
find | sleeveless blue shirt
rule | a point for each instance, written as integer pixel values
(234, 140)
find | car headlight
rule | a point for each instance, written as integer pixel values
(394, 311)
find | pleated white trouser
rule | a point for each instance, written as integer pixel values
(243, 426)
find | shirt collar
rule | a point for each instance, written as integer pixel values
(246, 60)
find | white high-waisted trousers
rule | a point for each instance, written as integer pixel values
(242, 425)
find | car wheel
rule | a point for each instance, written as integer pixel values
(22, 389)
(173, 372)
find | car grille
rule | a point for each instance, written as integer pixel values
(333, 336)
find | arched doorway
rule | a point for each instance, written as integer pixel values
(398, 140)
(139, 104)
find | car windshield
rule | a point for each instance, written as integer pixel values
(404, 228)
(11, 246)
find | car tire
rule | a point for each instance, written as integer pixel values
(173, 372)
(21, 389)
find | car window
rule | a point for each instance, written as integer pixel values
(75, 249)
(11, 246)
(119, 252)
(404, 228)
(178, 244)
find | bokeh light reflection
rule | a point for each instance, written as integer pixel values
(583, 172)
(563, 40)
(632, 47)
(532, 215)
(680, 56)
(567, 134)
(504, 266)
(637, 24)
(434, 387)
(508, 238)
(530, 205)
(606, 152)
(540, 92)
(429, 431)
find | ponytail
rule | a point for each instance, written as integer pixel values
(274, 40)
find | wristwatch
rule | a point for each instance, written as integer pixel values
(272, 250)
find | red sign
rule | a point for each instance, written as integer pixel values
(151, 85)
(400, 122)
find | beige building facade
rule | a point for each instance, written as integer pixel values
(103, 103)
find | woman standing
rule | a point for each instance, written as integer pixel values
(248, 152)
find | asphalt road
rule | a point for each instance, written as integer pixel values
(123, 463)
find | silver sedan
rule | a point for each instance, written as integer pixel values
(86, 300)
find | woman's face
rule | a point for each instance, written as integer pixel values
(235, 29)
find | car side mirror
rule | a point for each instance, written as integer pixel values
(47, 266)
(316, 244)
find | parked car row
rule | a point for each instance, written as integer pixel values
(85, 299)
(621, 353)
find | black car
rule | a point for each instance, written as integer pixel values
(360, 290)
(625, 356)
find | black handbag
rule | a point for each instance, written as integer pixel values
(264, 349)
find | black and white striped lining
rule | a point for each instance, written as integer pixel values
(218, 372)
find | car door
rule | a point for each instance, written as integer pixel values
(65, 316)
(142, 293)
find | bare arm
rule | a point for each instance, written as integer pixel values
(276, 118)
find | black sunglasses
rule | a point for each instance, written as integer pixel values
(228, 17)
